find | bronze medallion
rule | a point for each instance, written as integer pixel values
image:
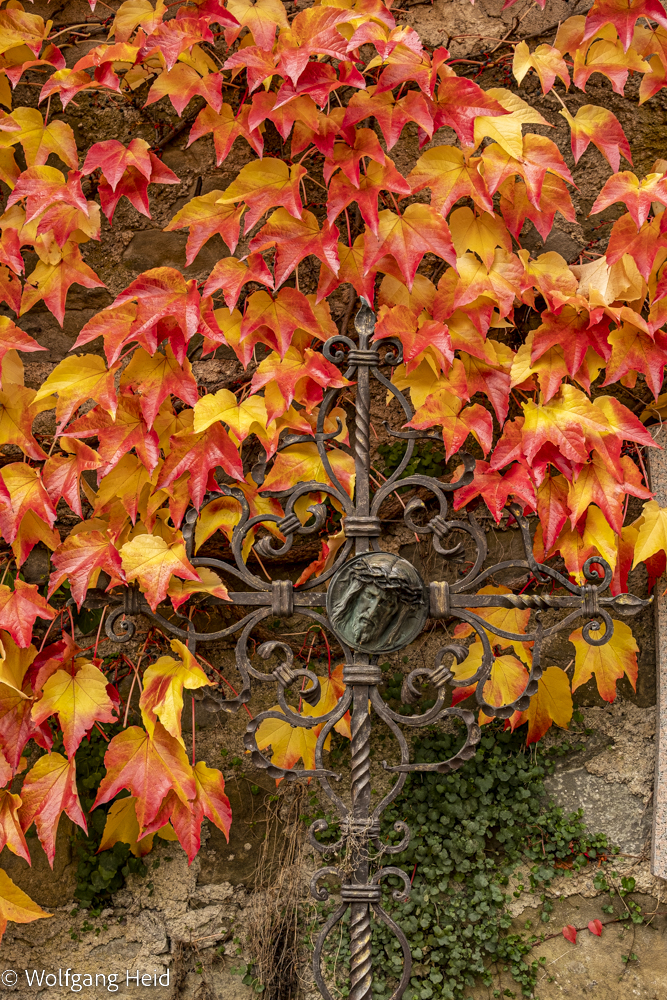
(377, 603)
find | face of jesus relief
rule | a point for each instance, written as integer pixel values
(376, 602)
(372, 611)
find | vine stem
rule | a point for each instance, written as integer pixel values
(135, 677)
(99, 630)
(605, 923)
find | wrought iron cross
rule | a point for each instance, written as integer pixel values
(376, 603)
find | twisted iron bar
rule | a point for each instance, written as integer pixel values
(360, 824)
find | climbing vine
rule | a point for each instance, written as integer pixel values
(546, 368)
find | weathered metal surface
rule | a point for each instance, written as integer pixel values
(376, 603)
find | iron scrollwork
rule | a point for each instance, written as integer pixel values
(376, 603)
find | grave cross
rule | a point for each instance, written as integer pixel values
(376, 603)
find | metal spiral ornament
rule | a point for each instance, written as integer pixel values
(361, 966)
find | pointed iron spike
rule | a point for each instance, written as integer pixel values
(364, 321)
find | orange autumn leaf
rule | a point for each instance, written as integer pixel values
(551, 704)
(149, 766)
(49, 790)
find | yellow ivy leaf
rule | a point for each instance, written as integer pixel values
(506, 129)
(77, 699)
(608, 662)
(122, 827)
(652, 536)
(15, 905)
(148, 559)
(162, 695)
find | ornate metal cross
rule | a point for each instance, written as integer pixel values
(376, 603)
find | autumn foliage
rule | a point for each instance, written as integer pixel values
(513, 356)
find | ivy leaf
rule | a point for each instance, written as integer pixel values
(51, 282)
(62, 473)
(570, 933)
(446, 409)
(15, 904)
(595, 927)
(261, 18)
(451, 174)
(642, 245)
(122, 489)
(180, 591)
(76, 380)
(596, 485)
(200, 454)
(551, 704)
(547, 62)
(506, 130)
(416, 336)
(163, 683)
(40, 140)
(602, 128)
(459, 102)
(294, 239)
(231, 274)
(78, 698)
(652, 536)
(480, 233)
(49, 790)
(19, 608)
(152, 562)
(210, 801)
(298, 374)
(204, 218)
(636, 195)
(226, 128)
(149, 767)
(11, 834)
(407, 237)
(496, 489)
(80, 558)
(623, 14)
(391, 115)
(117, 436)
(507, 680)
(16, 726)
(282, 313)
(634, 350)
(301, 463)
(113, 158)
(342, 192)
(18, 408)
(261, 185)
(122, 827)
(609, 662)
(157, 377)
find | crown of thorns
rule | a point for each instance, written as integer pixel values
(395, 580)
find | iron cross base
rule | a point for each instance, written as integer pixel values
(376, 604)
